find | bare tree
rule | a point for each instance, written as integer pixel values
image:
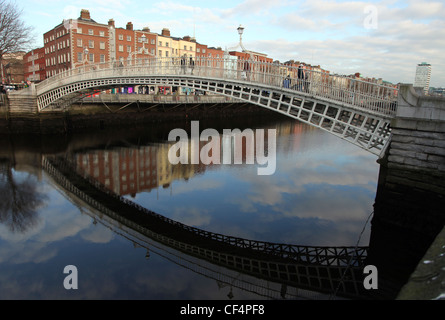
(14, 34)
(19, 200)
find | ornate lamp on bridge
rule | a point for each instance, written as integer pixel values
(85, 60)
(141, 50)
(240, 32)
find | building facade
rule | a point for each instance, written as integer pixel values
(34, 65)
(83, 41)
(167, 46)
(12, 68)
(423, 76)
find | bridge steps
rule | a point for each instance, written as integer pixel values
(23, 102)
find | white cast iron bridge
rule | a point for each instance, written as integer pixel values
(352, 109)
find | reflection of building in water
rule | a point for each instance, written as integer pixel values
(167, 172)
(123, 170)
(130, 170)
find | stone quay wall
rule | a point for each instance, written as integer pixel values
(418, 141)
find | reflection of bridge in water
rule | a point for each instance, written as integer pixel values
(334, 271)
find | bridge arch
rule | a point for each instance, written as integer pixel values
(352, 110)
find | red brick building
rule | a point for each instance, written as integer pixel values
(57, 48)
(201, 51)
(83, 41)
(132, 44)
(34, 65)
(255, 55)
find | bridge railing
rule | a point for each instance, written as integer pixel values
(348, 90)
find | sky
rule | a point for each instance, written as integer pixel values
(382, 39)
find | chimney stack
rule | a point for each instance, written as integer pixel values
(165, 32)
(129, 26)
(85, 14)
(111, 23)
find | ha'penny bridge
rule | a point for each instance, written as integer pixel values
(333, 271)
(352, 109)
(402, 127)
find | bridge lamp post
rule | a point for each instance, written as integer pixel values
(249, 66)
(86, 51)
(145, 40)
(85, 56)
(134, 54)
(240, 32)
(84, 61)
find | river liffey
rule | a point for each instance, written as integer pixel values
(57, 243)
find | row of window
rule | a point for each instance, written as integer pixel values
(63, 58)
(35, 56)
(91, 44)
(54, 36)
(60, 45)
(102, 45)
(53, 72)
(139, 50)
(91, 32)
(167, 44)
(81, 56)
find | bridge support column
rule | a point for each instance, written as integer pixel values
(23, 102)
(418, 141)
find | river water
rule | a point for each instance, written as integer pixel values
(321, 194)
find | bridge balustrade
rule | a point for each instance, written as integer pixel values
(346, 90)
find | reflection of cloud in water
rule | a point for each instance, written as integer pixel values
(60, 224)
(24, 252)
(192, 216)
(321, 192)
(97, 234)
(315, 196)
(57, 222)
(189, 186)
(322, 182)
